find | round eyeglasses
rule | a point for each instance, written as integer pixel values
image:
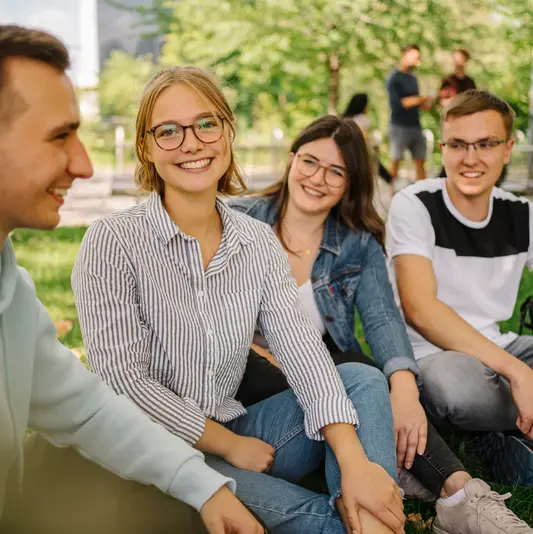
(170, 135)
(308, 166)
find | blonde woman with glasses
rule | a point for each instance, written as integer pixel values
(169, 294)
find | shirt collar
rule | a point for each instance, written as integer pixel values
(166, 229)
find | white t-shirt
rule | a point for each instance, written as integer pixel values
(478, 265)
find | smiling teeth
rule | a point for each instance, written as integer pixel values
(313, 193)
(200, 164)
(472, 174)
(59, 192)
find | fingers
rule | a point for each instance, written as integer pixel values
(352, 511)
(215, 527)
(412, 444)
(422, 438)
(524, 424)
(401, 447)
(394, 520)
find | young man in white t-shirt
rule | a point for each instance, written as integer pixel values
(458, 247)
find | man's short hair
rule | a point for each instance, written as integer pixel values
(20, 42)
(464, 52)
(475, 101)
(410, 47)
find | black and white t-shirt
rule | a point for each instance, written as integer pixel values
(478, 265)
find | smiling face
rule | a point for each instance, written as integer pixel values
(195, 167)
(473, 173)
(40, 152)
(311, 194)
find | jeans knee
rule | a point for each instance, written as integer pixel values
(360, 375)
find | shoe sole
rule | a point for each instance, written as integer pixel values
(509, 458)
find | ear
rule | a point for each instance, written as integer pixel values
(441, 146)
(509, 149)
(291, 157)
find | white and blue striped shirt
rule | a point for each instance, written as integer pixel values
(175, 338)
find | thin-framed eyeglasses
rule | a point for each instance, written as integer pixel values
(170, 135)
(308, 165)
(482, 146)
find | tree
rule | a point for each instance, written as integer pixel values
(122, 80)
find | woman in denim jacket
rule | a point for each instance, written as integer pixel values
(322, 212)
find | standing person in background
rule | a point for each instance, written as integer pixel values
(405, 130)
(458, 82)
(357, 110)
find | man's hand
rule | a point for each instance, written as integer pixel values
(522, 389)
(410, 421)
(251, 454)
(370, 487)
(223, 513)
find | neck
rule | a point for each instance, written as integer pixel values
(403, 68)
(195, 214)
(298, 223)
(460, 72)
(473, 208)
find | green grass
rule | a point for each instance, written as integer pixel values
(49, 257)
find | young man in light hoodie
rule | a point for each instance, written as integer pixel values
(47, 490)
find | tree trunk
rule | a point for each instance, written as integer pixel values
(334, 67)
(530, 131)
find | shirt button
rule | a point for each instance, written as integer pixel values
(210, 374)
(201, 293)
(313, 278)
(329, 319)
(209, 332)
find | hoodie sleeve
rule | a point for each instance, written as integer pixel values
(71, 406)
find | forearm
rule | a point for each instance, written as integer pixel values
(412, 101)
(216, 439)
(458, 335)
(345, 444)
(264, 353)
(403, 383)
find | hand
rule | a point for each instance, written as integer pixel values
(410, 427)
(522, 390)
(370, 487)
(223, 513)
(427, 103)
(251, 454)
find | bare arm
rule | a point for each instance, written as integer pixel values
(423, 311)
(409, 102)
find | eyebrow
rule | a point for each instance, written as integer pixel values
(195, 118)
(63, 128)
(459, 140)
(332, 165)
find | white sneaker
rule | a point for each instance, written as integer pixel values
(482, 511)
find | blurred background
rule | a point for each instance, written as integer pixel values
(282, 63)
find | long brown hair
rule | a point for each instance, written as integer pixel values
(205, 85)
(356, 208)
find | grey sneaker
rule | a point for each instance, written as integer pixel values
(482, 511)
(413, 488)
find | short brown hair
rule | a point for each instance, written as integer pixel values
(205, 85)
(463, 51)
(17, 41)
(475, 101)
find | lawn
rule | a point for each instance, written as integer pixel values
(49, 257)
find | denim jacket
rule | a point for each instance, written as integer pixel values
(350, 274)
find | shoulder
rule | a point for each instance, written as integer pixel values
(245, 220)
(117, 224)
(513, 205)
(252, 205)
(417, 196)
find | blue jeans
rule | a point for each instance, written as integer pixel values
(285, 507)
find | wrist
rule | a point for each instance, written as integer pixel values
(403, 383)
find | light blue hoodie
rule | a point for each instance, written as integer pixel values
(45, 387)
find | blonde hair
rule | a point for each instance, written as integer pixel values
(204, 84)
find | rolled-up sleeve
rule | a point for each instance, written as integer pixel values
(298, 346)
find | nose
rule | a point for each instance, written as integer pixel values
(79, 164)
(191, 143)
(471, 156)
(319, 177)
